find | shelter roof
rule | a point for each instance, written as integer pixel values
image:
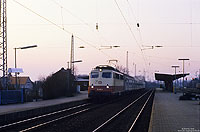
(168, 77)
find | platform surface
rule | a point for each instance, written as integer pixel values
(11, 108)
(169, 114)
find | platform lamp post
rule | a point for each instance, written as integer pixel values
(26, 47)
(175, 78)
(183, 68)
(72, 72)
(68, 63)
(72, 69)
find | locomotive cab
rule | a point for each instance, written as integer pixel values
(104, 80)
(107, 81)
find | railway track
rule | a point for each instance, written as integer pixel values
(76, 118)
(126, 120)
(34, 123)
(41, 120)
(92, 119)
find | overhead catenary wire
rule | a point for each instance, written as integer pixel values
(97, 23)
(71, 13)
(42, 17)
(137, 21)
(191, 26)
(129, 27)
(60, 27)
(62, 17)
(83, 21)
(138, 26)
(132, 11)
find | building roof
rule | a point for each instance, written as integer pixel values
(169, 77)
(20, 80)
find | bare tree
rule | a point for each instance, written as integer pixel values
(121, 69)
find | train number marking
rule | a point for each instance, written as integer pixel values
(99, 89)
(99, 82)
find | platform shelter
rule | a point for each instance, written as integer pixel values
(168, 79)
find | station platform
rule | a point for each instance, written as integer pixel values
(13, 108)
(169, 114)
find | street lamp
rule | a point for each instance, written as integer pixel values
(183, 69)
(175, 78)
(77, 61)
(26, 47)
(73, 63)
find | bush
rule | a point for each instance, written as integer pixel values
(58, 85)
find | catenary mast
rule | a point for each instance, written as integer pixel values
(3, 41)
(72, 55)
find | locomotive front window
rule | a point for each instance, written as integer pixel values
(94, 74)
(106, 75)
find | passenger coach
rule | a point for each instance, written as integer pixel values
(106, 80)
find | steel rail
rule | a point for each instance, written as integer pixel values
(136, 119)
(42, 116)
(63, 117)
(42, 124)
(60, 118)
(106, 122)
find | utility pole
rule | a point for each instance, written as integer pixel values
(3, 41)
(135, 68)
(145, 75)
(72, 55)
(199, 75)
(127, 72)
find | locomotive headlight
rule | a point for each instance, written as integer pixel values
(92, 86)
(107, 86)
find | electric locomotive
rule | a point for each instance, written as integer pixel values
(105, 80)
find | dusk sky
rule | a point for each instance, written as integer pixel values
(173, 24)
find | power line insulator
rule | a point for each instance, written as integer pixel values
(138, 25)
(97, 26)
